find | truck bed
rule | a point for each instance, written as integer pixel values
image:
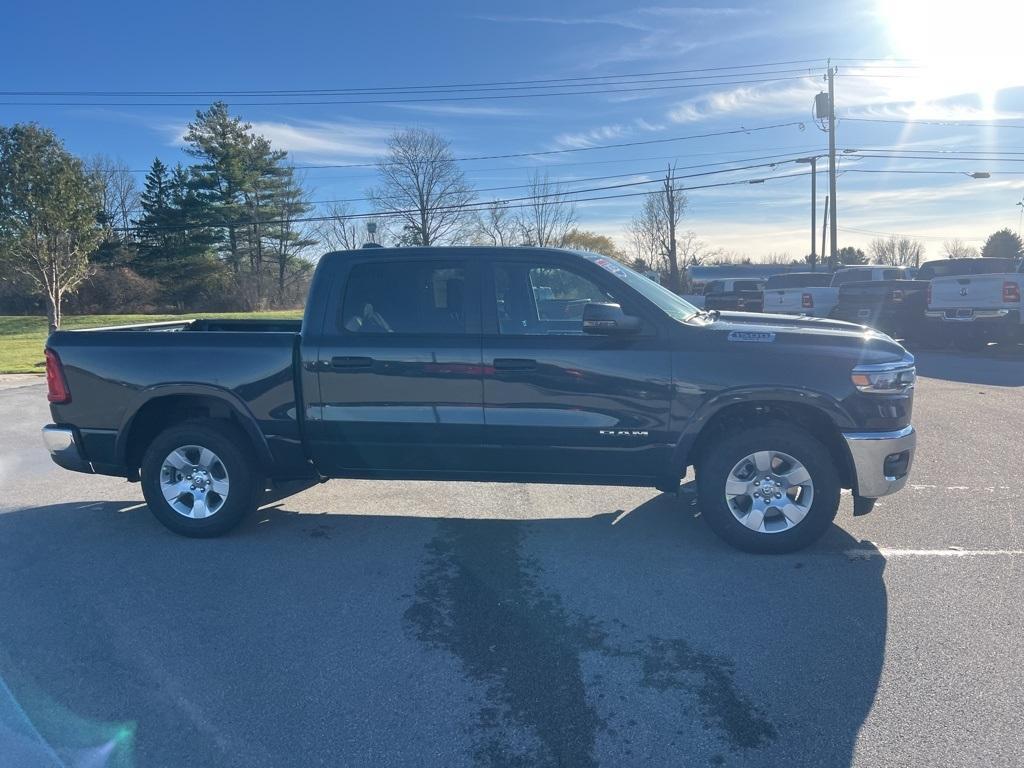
(248, 365)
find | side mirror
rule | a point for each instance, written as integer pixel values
(608, 319)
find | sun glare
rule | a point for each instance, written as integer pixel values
(967, 46)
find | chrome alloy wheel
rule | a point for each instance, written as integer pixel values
(769, 491)
(194, 481)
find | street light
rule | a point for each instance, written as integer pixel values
(813, 162)
(979, 175)
(1021, 220)
(756, 181)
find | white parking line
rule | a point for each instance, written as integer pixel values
(886, 552)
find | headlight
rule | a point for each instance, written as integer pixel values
(885, 379)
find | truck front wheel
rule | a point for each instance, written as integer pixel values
(198, 478)
(770, 489)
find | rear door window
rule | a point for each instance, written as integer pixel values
(408, 297)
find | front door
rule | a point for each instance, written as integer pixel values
(560, 402)
(399, 370)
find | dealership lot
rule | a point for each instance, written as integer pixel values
(362, 623)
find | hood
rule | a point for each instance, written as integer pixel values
(857, 343)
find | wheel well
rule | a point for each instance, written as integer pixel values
(162, 412)
(745, 415)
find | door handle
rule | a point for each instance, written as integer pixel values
(514, 364)
(351, 362)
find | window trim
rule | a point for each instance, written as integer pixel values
(335, 313)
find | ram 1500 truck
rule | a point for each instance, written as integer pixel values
(894, 307)
(981, 305)
(496, 364)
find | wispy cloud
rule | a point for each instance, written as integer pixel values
(466, 111)
(604, 133)
(645, 18)
(322, 139)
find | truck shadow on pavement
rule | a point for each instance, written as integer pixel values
(368, 640)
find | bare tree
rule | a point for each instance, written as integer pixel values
(424, 188)
(958, 249)
(341, 232)
(119, 193)
(654, 230)
(896, 251)
(495, 225)
(549, 214)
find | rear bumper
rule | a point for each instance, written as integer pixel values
(63, 446)
(881, 460)
(1008, 316)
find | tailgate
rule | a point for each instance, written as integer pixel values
(968, 292)
(786, 301)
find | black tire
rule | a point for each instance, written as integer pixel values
(233, 450)
(727, 451)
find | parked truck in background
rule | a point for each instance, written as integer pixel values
(734, 295)
(492, 364)
(779, 296)
(978, 306)
(819, 301)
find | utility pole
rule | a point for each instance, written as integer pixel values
(813, 161)
(834, 248)
(824, 226)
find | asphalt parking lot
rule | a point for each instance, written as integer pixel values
(408, 624)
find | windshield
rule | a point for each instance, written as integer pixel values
(668, 302)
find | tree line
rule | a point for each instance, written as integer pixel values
(234, 230)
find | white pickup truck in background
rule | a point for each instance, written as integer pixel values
(974, 309)
(819, 300)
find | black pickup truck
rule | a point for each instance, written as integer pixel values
(895, 307)
(496, 364)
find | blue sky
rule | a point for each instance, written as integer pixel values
(963, 68)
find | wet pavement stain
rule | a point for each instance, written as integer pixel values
(478, 597)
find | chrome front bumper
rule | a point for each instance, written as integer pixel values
(881, 460)
(63, 448)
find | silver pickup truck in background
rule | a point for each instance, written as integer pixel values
(981, 307)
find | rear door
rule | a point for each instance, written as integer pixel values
(399, 369)
(558, 402)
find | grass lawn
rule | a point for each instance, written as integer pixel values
(22, 338)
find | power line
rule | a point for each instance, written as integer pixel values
(501, 96)
(946, 123)
(427, 89)
(778, 160)
(509, 203)
(548, 152)
(912, 237)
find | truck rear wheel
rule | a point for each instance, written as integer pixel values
(198, 478)
(771, 489)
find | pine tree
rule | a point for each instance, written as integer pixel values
(176, 244)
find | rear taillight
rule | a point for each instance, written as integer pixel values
(897, 295)
(928, 294)
(56, 385)
(807, 301)
(1011, 292)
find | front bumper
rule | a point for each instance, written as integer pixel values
(64, 450)
(881, 460)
